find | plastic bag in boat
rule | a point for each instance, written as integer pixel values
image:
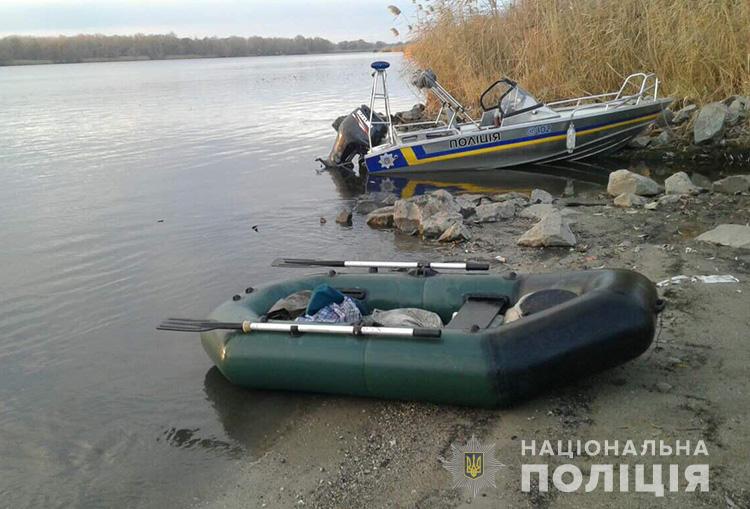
(406, 317)
(291, 306)
(344, 312)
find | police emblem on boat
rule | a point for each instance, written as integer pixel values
(473, 466)
(387, 160)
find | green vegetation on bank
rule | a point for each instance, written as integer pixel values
(86, 48)
(565, 48)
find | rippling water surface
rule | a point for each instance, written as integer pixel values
(127, 194)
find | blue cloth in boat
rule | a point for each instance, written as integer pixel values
(344, 312)
(324, 295)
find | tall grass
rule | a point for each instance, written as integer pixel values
(563, 48)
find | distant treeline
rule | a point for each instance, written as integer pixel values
(86, 48)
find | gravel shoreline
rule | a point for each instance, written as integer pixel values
(692, 384)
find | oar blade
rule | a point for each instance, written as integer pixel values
(190, 325)
(305, 262)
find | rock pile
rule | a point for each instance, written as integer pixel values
(442, 216)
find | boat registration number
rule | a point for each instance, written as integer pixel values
(538, 129)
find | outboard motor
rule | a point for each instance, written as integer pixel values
(352, 138)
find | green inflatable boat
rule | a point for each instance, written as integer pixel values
(568, 325)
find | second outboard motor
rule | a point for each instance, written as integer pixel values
(352, 138)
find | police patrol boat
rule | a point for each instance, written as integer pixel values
(514, 128)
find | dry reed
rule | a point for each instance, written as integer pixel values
(562, 48)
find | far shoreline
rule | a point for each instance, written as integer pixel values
(141, 58)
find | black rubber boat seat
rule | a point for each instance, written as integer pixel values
(478, 311)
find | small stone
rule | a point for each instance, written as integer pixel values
(640, 141)
(665, 118)
(663, 387)
(344, 217)
(540, 196)
(680, 183)
(323, 220)
(625, 181)
(569, 188)
(651, 205)
(628, 200)
(669, 199)
(731, 185)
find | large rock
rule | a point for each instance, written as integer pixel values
(625, 181)
(710, 124)
(510, 196)
(435, 225)
(733, 235)
(465, 207)
(426, 214)
(540, 196)
(737, 108)
(474, 198)
(381, 218)
(684, 114)
(680, 183)
(665, 138)
(375, 200)
(630, 200)
(456, 232)
(344, 217)
(495, 211)
(552, 230)
(667, 199)
(701, 180)
(731, 185)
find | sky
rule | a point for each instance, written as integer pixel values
(336, 20)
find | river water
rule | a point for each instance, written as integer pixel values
(128, 193)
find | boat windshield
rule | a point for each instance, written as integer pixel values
(517, 99)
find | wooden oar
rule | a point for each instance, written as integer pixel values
(304, 262)
(189, 325)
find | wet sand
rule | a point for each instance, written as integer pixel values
(692, 384)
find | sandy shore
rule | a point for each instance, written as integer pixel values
(692, 384)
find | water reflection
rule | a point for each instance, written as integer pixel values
(251, 418)
(556, 179)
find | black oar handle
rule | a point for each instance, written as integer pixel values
(426, 333)
(477, 266)
(310, 262)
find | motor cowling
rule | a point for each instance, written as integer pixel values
(352, 136)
